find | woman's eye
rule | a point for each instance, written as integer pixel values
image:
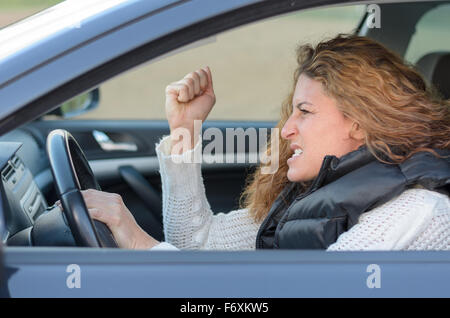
(304, 111)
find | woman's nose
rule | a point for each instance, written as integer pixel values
(288, 129)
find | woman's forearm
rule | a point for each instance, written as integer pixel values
(189, 222)
(186, 211)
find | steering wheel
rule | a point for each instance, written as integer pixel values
(72, 173)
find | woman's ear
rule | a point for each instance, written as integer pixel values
(356, 132)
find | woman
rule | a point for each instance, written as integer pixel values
(363, 159)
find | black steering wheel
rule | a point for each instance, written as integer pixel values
(72, 173)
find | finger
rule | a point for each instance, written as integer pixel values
(111, 219)
(196, 81)
(203, 79)
(96, 214)
(96, 199)
(189, 83)
(183, 95)
(210, 82)
(95, 202)
(102, 201)
(107, 206)
(177, 91)
(93, 193)
(172, 89)
(102, 196)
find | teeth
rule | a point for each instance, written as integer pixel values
(297, 152)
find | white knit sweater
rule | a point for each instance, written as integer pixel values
(417, 219)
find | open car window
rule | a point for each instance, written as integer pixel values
(252, 67)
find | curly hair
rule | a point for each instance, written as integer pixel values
(398, 111)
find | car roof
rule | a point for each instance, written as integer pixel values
(50, 22)
(66, 25)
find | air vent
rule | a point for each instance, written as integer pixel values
(16, 161)
(7, 172)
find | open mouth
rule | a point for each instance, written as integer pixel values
(297, 153)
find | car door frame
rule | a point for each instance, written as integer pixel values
(48, 272)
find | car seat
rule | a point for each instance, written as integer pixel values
(436, 69)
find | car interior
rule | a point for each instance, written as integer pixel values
(131, 168)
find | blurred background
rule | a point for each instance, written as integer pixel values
(252, 65)
(15, 10)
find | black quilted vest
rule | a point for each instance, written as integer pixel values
(345, 188)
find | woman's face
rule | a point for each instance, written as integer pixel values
(316, 128)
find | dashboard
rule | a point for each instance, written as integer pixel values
(24, 201)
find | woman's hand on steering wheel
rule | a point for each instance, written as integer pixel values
(110, 209)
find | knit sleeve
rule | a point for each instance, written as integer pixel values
(417, 219)
(189, 222)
